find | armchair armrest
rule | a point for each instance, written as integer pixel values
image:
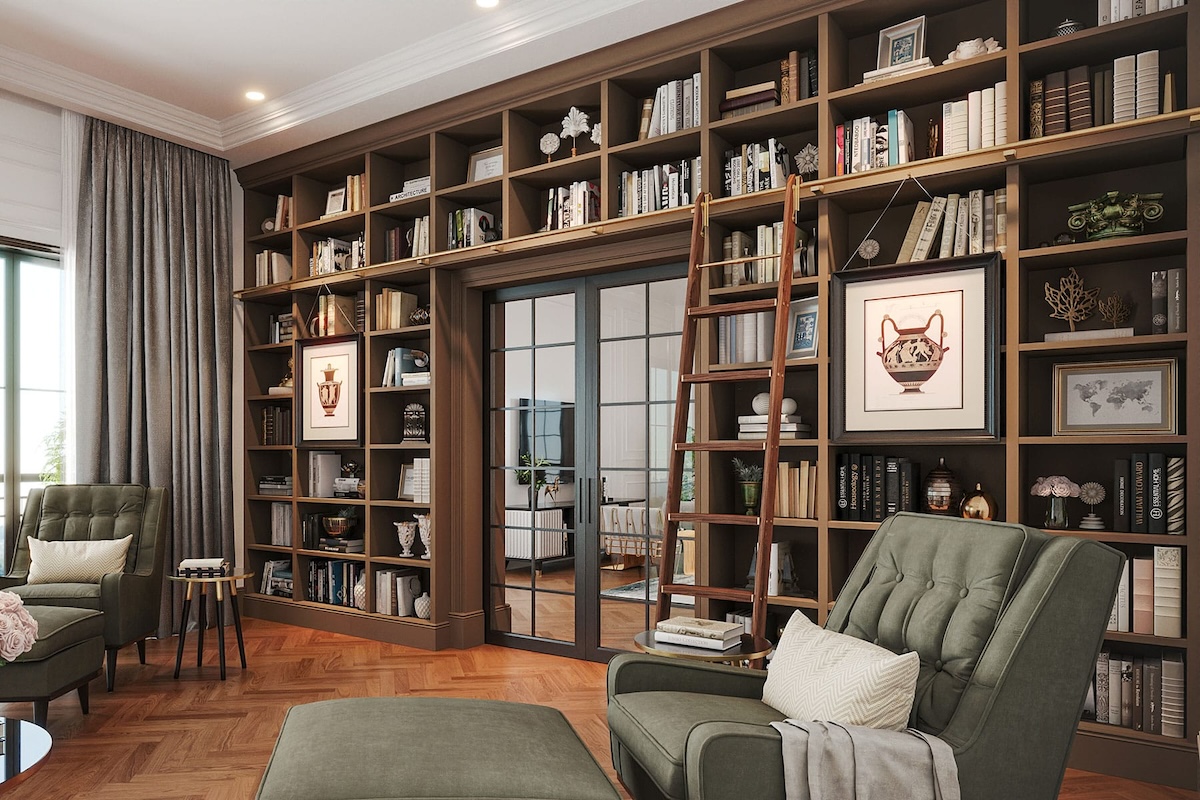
(635, 672)
(734, 761)
(8, 581)
(131, 602)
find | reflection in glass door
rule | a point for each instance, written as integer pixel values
(582, 378)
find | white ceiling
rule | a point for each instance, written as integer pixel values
(180, 68)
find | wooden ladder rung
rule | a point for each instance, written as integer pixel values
(712, 592)
(742, 260)
(716, 519)
(726, 445)
(728, 376)
(723, 309)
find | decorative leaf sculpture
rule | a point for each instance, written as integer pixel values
(1070, 301)
(597, 136)
(1114, 310)
(574, 123)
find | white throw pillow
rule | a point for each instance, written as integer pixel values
(76, 562)
(821, 675)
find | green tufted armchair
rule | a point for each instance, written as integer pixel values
(131, 599)
(1007, 620)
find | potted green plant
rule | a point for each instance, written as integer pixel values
(749, 476)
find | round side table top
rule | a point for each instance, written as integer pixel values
(24, 747)
(749, 649)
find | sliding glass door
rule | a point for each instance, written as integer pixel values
(582, 379)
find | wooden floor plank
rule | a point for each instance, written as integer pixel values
(198, 738)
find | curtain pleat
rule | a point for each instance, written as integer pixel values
(153, 349)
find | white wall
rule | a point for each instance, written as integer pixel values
(30, 170)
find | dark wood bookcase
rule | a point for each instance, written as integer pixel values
(735, 47)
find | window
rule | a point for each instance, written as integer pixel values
(33, 379)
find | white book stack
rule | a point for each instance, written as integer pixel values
(281, 524)
(706, 633)
(421, 480)
(1168, 591)
(1173, 697)
(1147, 84)
(988, 124)
(1124, 88)
(1001, 115)
(974, 120)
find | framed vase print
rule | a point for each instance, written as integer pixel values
(914, 351)
(328, 394)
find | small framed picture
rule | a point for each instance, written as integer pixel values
(902, 44)
(1115, 397)
(803, 328)
(486, 164)
(407, 490)
(335, 201)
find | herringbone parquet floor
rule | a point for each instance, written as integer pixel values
(200, 739)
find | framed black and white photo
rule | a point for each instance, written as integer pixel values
(407, 490)
(803, 328)
(485, 164)
(329, 391)
(1115, 397)
(902, 44)
(914, 350)
(335, 201)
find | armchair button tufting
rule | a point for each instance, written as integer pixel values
(962, 592)
(899, 577)
(937, 665)
(929, 585)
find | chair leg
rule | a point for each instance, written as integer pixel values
(141, 646)
(40, 709)
(110, 672)
(82, 691)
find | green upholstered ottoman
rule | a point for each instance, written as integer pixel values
(67, 654)
(417, 747)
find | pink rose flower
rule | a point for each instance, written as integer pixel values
(18, 630)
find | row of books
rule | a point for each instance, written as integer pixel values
(798, 76)
(1149, 494)
(1083, 96)
(980, 120)
(765, 244)
(421, 482)
(396, 590)
(1144, 693)
(272, 266)
(756, 167)
(336, 314)
(1150, 595)
(337, 255)
(873, 487)
(745, 338)
(275, 485)
(332, 581)
(956, 225)
(797, 494)
(277, 425)
(1109, 11)
(709, 634)
(1168, 300)
(675, 106)
(467, 227)
(571, 206)
(863, 144)
(277, 578)
(282, 328)
(411, 241)
(748, 99)
(283, 212)
(281, 524)
(406, 366)
(662, 186)
(393, 307)
(202, 568)
(753, 427)
(353, 196)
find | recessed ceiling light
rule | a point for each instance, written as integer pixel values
(255, 96)
(487, 3)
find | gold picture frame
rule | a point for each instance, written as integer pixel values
(1116, 397)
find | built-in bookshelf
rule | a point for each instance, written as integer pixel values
(479, 154)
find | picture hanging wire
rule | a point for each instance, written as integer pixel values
(879, 219)
(312, 315)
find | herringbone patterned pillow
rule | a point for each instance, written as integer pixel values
(821, 675)
(76, 562)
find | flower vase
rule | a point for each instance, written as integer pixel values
(751, 491)
(406, 532)
(1056, 513)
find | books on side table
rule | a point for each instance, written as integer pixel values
(707, 633)
(203, 568)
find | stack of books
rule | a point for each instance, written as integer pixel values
(755, 426)
(748, 99)
(707, 633)
(406, 366)
(336, 544)
(203, 568)
(281, 524)
(277, 578)
(421, 480)
(277, 485)
(283, 328)
(413, 187)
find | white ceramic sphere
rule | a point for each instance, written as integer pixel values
(789, 406)
(761, 403)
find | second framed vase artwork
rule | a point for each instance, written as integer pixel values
(328, 391)
(914, 351)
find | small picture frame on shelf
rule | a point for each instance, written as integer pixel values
(902, 44)
(407, 490)
(335, 201)
(329, 391)
(485, 164)
(914, 349)
(1115, 397)
(803, 328)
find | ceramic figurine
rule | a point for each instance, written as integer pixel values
(406, 532)
(425, 526)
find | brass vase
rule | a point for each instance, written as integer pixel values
(751, 491)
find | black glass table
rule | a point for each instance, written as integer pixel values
(24, 746)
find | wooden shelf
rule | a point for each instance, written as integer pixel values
(1128, 248)
(1129, 734)
(1103, 43)
(787, 601)
(1158, 341)
(1114, 537)
(407, 332)
(276, 347)
(935, 84)
(1143, 638)
(1133, 440)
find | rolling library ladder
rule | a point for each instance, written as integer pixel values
(690, 375)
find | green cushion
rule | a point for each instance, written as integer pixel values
(74, 595)
(60, 628)
(415, 747)
(69, 648)
(655, 726)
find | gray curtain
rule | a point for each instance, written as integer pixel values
(153, 309)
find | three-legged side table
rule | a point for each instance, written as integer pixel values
(221, 584)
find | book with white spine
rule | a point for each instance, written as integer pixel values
(1124, 88)
(975, 223)
(974, 120)
(929, 231)
(947, 127)
(960, 227)
(1147, 84)
(988, 123)
(1168, 591)
(1001, 118)
(951, 215)
(1173, 694)
(705, 628)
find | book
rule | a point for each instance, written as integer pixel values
(975, 222)
(929, 231)
(1123, 589)
(1136, 715)
(1152, 694)
(1036, 103)
(1001, 119)
(946, 248)
(1173, 697)
(1121, 495)
(1176, 495)
(1177, 300)
(1079, 99)
(323, 467)
(700, 641)
(1138, 482)
(974, 120)
(1168, 591)
(1146, 82)
(1101, 686)
(1156, 492)
(1124, 89)
(1143, 595)
(1114, 689)
(1158, 301)
(1126, 717)
(915, 225)
(961, 226)
(854, 487)
(692, 626)
(761, 419)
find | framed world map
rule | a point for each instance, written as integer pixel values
(1115, 397)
